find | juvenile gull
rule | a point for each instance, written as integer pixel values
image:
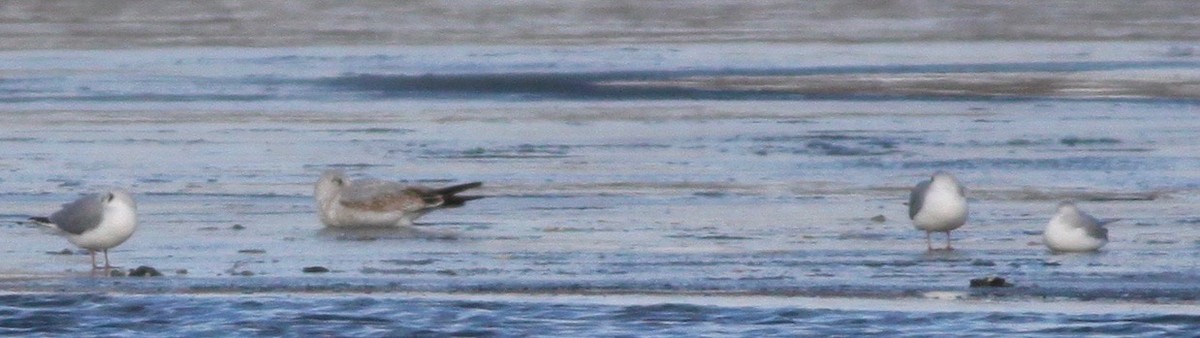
(96, 222)
(938, 205)
(1072, 230)
(375, 203)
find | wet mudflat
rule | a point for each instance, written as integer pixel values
(682, 189)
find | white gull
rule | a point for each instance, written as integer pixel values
(96, 222)
(1072, 230)
(938, 205)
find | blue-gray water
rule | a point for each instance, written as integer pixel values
(247, 316)
(697, 189)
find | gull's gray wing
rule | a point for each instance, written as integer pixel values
(81, 215)
(1097, 232)
(384, 196)
(916, 199)
(1093, 227)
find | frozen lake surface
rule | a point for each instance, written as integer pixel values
(703, 188)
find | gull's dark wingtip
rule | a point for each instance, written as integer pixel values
(454, 189)
(450, 200)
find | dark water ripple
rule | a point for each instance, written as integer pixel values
(283, 76)
(612, 85)
(299, 315)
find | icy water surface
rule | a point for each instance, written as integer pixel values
(700, 189)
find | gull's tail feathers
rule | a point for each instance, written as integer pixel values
(451, 200)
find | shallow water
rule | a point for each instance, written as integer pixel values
(425, 315)
(706, 188)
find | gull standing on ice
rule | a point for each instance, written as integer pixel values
(938, 205)
(375, 203)
(96, 222)
(1072, 230)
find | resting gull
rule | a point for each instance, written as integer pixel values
(1072, 230)
(376, 203)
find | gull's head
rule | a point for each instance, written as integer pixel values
(118, 198)
(330, 184)
(944, 180)
(1066, 206)
(943, 176)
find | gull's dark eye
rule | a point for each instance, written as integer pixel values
(337, 181)
(109, 197)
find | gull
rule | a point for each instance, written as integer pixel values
(1072, 230)
(376, 203)
(938, 205)
(96, 222)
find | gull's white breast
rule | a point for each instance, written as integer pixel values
(943, 209)
(118, 224)
(1061, 236)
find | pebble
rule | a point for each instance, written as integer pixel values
(144, 271)
(61, 252)
(990, 282)
(982, 262)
